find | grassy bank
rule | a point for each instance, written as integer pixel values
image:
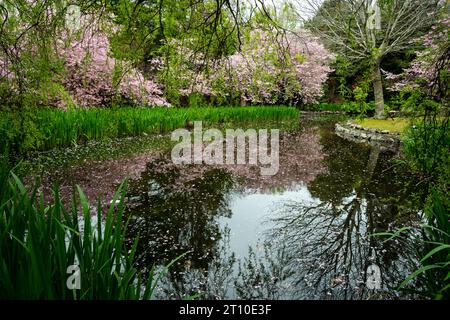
(397, 125)
(49, 128)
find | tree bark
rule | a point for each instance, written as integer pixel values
(378, 91)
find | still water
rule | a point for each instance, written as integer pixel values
(305, 233)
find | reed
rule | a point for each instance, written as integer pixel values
(58, 128)
(430, 247)
(38, 243)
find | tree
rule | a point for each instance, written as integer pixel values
(424, 89)
(270, 68)
(426, 70)
(48, 58)
(95, 76)
(30, 67)
(273, 68)
(371, 29)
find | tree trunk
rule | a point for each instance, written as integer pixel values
(378, 91)
(372, 163)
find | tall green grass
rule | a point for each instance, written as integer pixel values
(38, 243)
(431, 248)
(58, 128)
(427, 147)
(434, 270)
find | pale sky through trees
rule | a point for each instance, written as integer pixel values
(303, 7)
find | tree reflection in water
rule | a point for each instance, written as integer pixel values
(174, 212)
(329, 238)
(319, 247)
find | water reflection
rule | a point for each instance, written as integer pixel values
(175, 211)
(307, 240)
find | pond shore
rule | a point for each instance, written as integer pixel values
(357, 133)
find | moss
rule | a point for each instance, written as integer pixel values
(397, 125)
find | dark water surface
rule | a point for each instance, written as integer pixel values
(302, 234)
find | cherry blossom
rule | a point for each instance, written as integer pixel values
(420, 74)
(268, 69)
(91, 72)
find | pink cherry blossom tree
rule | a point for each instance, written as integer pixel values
(421, 74)
(47, 60)
(95, 77)
(270, 68)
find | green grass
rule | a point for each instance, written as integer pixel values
(431, 247)
(396, 125)
(38, 243)
(56, 128)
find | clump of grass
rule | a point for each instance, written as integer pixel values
(430, 276)
(58, 128)
(396, 125)
(38, 243)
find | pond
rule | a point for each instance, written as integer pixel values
(305, 233)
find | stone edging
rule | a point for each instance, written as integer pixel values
(354, 132)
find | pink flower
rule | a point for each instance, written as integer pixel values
(91, 69)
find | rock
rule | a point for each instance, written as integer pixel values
(357, 133)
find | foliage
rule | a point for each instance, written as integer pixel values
(359, 109)
(324, 106)
(45, 62)
(436, 261)
(426, 146)
(96, 78)
(269, 68)
(348, 75)
(58, 128)
(122, 51)
(28, 64)
(350, 107)
(431, 244)
(368, 31)
(424, 88)
(38, 243)
(421, 75)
